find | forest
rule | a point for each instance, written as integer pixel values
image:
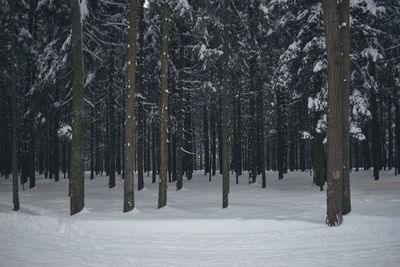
(149, 114)
(147, 93)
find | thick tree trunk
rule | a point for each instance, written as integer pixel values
(335, 113)
(129, 202)
(225, 109)
(77, 175)
(162, 193)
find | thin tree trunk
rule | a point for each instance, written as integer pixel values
(390, 134)
(225, 109)
(344, 33)
(111, 116)
(397, 116)
(14, 105)
(140, 89)
(206, 140)
(77, 175)
(376, 144)
(162, 193)
(129, 202)
(180, 117)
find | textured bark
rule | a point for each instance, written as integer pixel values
(225, 110)
(129, 202)
(14, 106)
(281, 135)
(260, 107)
(344, 34)
(180, 118)
(252, 138)
(376, 144)
(77, 175)
(206, 140)
(91, 148)
(397, 117)
(153, 155)
(162, 191)
(318, 160)
(335, 116)
(54, 135)
(111, 118)
(390, 134)
(140, 89)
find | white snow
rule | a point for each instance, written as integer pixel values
(84, 9)
(371, 52)
(65, 130)
(283, 225)
(319, 66)
(367, 5)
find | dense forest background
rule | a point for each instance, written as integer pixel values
(277, 82)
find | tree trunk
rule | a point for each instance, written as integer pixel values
(376, 144)
(225, 109)
(344, 34)
(14, 106)
(140, 90)
(335, 113)
(162, 193)
(318, 160)
(390, 134)
(206, 140)
(180, 117)
(111, 114)
(129, 202)
(397, 116)
(77, 175)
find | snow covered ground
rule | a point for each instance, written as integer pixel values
(280, 226)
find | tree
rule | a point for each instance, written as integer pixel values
(111, 115)
(344, 35)
(14, 105)
(162, 191)
(77, 175)
(225, 110)
(336, 50)
(129, 203)
(180, 116)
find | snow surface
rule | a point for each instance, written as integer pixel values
(283, 225)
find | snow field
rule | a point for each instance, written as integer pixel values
(280, 226)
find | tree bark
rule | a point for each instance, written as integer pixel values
(376, 144)
(162, 193)
(344, 34)
(129, 202)
(111, 116)
(14, 106)
(180, 117)
(140, 89)
(77, 175)
(335, 113)
(225, 118)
